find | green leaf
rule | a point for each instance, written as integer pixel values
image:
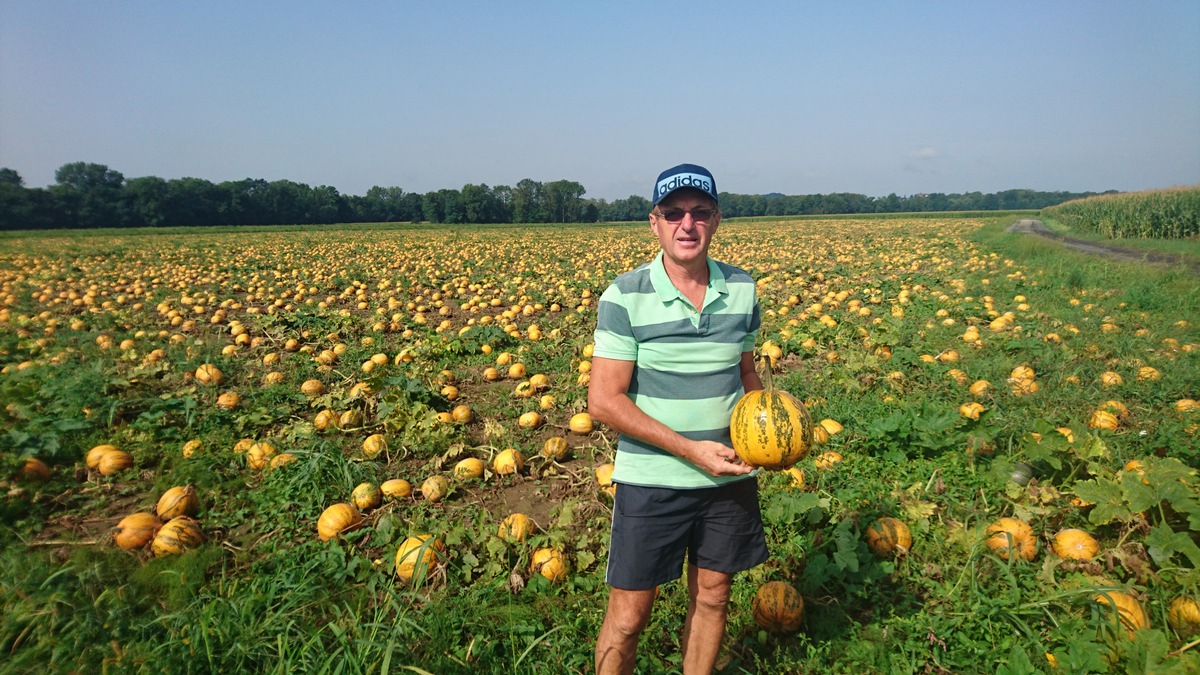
(1018, 664)
(1082, 656)
(1150, 653)
(846, 555)
(1162, 543)
(788, 507)
(1108, 498)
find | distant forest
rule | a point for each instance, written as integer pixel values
(88, 195)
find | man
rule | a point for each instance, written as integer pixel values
(674, 348)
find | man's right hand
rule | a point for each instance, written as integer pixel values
(717, 459)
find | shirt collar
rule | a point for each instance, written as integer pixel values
(666, 290)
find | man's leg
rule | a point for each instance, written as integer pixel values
(628, 612)
(705, 625)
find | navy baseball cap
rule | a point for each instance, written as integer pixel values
(684, 176)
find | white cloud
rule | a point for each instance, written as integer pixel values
(927, 152)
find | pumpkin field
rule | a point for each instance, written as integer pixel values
(366, 449)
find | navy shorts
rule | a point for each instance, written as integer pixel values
(718, 528)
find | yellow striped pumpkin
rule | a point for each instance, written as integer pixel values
(178, 535)
(178, 501)
(778, 607)
(887, 535)
(770, 427)
(136, 530)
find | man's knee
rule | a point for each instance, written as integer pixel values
(711, 589)
(628, 612)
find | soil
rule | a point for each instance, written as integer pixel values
(1037, 227)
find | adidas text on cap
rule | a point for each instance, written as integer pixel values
(684, 176)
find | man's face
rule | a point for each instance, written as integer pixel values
(686, 241)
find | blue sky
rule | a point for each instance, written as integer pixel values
(791, 97)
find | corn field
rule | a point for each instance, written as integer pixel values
(1156, 214)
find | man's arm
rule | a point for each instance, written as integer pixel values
(609, 403)
(750, 379)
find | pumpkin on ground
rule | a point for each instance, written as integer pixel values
(827, 460)
(470, 467)
(556, 448)
(581, 423)
(604, 474)
(208, 374)
(178, 501)
(312, 388)
(778, 607)
(1128, 610)
(374, 445)
(531, 420)
(770, 428)
(136, 530)
(435, 488)
(114, 462)
(178, 535)
(34, 470)
(281, 460)
(1184, 616)
(1011, 536)
(508, 462)
(192, 447)
(396, 488)
(337, 519)
(887, 536)
(549, 563)
(416, 556)
(366, 496)
(259, 455)
(1073, 544)
(94, 455)
(462, 414)
(516, 526)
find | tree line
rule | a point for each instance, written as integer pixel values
(88, 195)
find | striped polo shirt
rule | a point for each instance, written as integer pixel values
(687, 370)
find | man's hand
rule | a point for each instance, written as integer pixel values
(717, 459)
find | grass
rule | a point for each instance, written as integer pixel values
(264, 594)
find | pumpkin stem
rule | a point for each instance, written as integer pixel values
(766, 372)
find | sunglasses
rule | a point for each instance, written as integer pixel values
(676, 215)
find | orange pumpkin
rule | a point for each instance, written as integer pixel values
(508, 462)
(114, 462)
(1011, 536)
(556, 448)
(887, 536)
(770, 428)
(549, 563)
(581, 423)
(374, 445)
(337, 519)
(1128, 610)
(396, 488)
(178, 501)
(778, 607)
(516, 526)
(1184, 616)
(1072, 544)
(178, 535)
(366, 496)
(435, 488)
(416, 556)
(94, 455)
(136, 530)
(208, 374)
(470, 467)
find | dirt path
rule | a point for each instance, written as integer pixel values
(1032, 226)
